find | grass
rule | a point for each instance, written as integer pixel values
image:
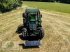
(59, 7)
(56, 28)
(9, 22)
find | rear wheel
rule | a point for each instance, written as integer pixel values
(41, 33)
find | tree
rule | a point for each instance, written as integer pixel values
(7, 5)
(65, 1)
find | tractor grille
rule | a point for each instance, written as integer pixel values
(32, 26)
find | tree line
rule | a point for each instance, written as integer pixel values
(7, 5)
(62, 1)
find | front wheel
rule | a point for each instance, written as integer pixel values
(24, 34)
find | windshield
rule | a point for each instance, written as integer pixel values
(32, 22)
(32, 17)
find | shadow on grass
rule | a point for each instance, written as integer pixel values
(27, 47)
(2, 10)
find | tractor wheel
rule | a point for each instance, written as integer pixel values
(24, 34)
(41, 33)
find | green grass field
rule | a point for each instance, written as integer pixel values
(59, 7)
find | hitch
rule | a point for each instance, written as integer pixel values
(32, 43)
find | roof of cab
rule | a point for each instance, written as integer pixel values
(32, 10)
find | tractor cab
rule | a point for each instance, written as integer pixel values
(32, 24)
(33, 17)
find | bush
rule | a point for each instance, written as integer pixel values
(7, 5)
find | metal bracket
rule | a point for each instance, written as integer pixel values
(32, 43)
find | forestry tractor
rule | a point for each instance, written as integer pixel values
(32, 29)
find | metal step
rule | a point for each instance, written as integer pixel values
(32, 43)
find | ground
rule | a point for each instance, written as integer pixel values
(56, 26)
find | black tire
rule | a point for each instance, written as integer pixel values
(24, 34)
(41, 34)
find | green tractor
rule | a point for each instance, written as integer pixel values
(32, 29)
